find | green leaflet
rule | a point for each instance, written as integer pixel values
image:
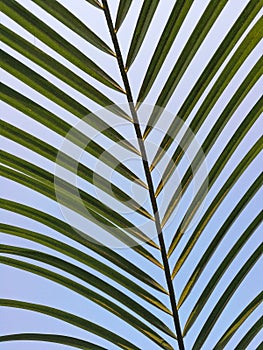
(173, 25)
(56, 42)
(49, 90)
(86, 277)
(243, 51)
(52, 338)
(87, 174)
(34, 144)
(70, 21)
(51, 121)
(83, 258)
(211, 69)
(214, 133)
(201, 30)
(93, 296)
(147, 12)
(206, 256)
(220, 271)
(73, 320)
(95, 3)
(238, 322)
(67, 191)
(123, 9)
(102, 250)
(48, 63)
(88, 206)
(218, 309)
(242, 166)
(234, 64)
(214, 173)
(250, 335)
(234, 34)
(260, 346)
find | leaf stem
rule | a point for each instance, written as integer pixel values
(147, 174)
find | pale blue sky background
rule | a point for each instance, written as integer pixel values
(24, 286)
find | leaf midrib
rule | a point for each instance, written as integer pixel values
(147, 174)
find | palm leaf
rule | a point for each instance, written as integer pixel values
(71, 319)
(220, 271)
(169, 34)
(34, 80)
(80, 289)
(250, 335)
(212, 136)
(219, 236)
(55, 41)
(201, 30)
(138, 286)
(239, 320)
(209, 72)
(52, 338)
(225, 298)
(57, 69)
(86, 173)
(95, 3)
(99, 213)
(69, 20)
(146, 14)
(210, 141)
(27, 140)
(248, 44)
(51, 121)
(105, 252)
(123, 9)
(242, 166)
(84, 259)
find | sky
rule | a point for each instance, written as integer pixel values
(25, 286)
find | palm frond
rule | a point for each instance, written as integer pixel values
(91, 243)
(55, 41)
(225, 298)
(219, 236)
(219, 273)
(58, 84)
(123, 9)
(71, 319)
(57, 69)
(87, 293)
(198, 35)
(70, 21)
(224, 49)
(238, 321)
(212, 137)
(245, 48)
(52, 338)
(165, 43)
(146, 14)
(250, 335)
(242, 166)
